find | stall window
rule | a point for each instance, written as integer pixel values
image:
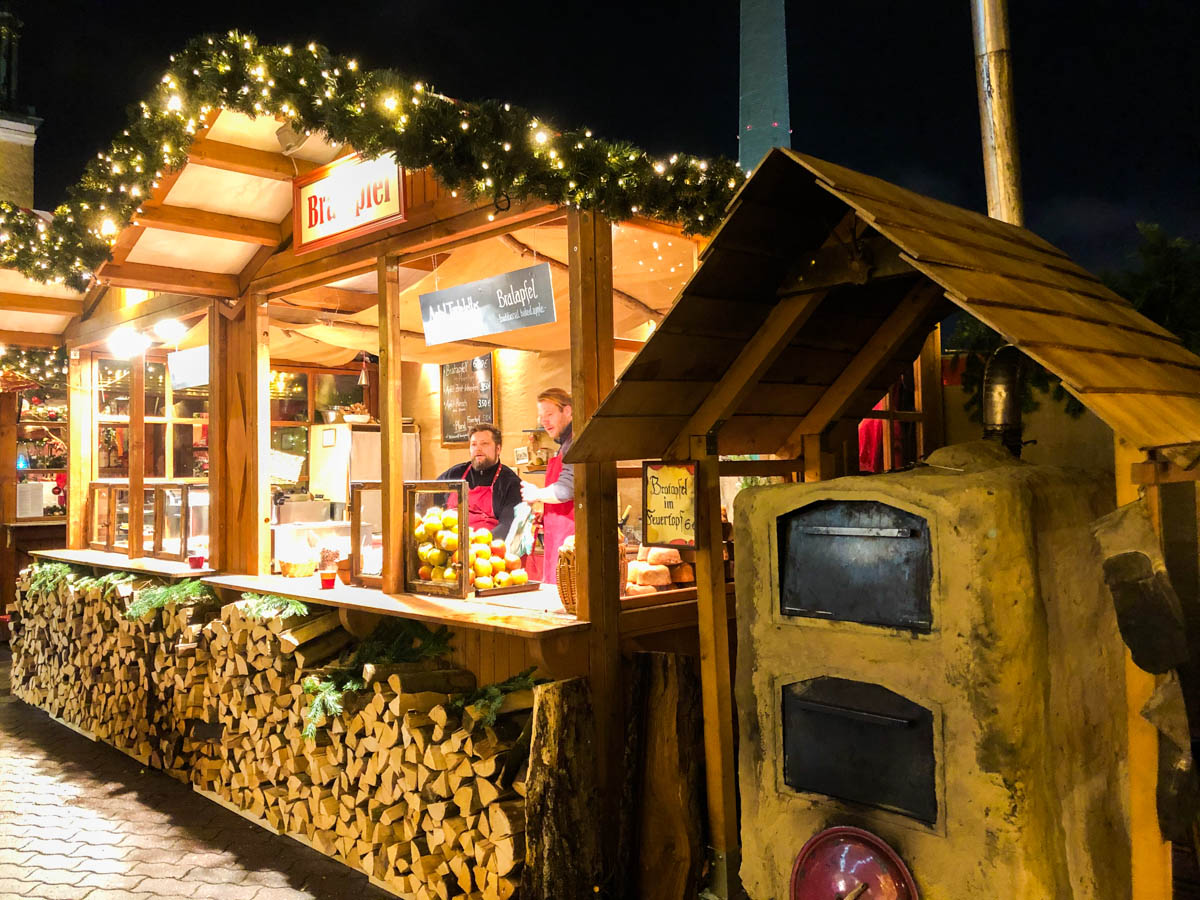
(292, 440)
(289, 397)
(336, 391)
(301, 398)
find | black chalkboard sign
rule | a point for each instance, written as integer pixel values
(467, 397)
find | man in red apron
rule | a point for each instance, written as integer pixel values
(558, 496)
(493, 489)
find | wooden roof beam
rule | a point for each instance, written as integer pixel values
(169, 280)
(183, 220)
(870, 258)
(30, 339)
(898, 327)
(756, 357)
(33, 303)
(246, 160)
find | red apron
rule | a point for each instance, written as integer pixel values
(558, 523)
(480, 511)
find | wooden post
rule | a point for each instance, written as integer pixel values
(1151, 855)
(390, 426)
(8, 492)
(931, 433)
(819, 464)
(716, 679)
(589, 246)
(243, 441)
(137, 453)
(216, 474)
(81, 407)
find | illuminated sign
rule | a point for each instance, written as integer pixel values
(348, 197)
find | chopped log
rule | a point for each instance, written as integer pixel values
(563, 855)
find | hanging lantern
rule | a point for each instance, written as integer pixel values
(363, 380)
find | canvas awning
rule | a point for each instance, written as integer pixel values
(819, 289)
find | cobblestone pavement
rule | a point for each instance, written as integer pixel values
(81, 821)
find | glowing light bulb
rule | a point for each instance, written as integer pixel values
(170, 331)
(175, 104)
(540, 137)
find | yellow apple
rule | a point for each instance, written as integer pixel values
(502, 579)
(419, 531)
(499, 548)
(450, 573)
(498, 564)
(434, 512)
(436, 573)
(449, 540)
(450, 519)
(424, 550)
(519, 576)
(482, 566)
(484, 583)
(481, 536)
(512, 563)
(438, 557)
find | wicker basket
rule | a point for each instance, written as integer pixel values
(568, 589)
(568, 592)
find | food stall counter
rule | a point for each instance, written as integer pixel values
(534, 618)
(145, 565)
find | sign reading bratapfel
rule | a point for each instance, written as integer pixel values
(348, 197)
(489, 306)
(669, 504)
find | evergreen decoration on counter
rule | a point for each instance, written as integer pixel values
(182, 593)
(487, 150)
(490, 698)
(272, 606)
(47, 577)
(105, 584)
(393, 641)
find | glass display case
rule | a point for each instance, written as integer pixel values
(366, 521)
(99, 515)
(435, 518)
(182, 523)
(41, 476)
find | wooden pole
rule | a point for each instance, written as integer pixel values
(137, 453)
(241, 450)
(589, 246)
(8, 492)
(81, 405)
(712, 608)
(998, 124)
(390, 426)
(1151, 860)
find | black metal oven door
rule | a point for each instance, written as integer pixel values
(856, 561)
(861, 743)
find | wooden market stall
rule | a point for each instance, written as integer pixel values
(33, 417)
(174, 471)
(818, 289)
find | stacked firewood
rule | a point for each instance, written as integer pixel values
(424, 796)
(399, 784)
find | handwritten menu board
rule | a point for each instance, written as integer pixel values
(669, 504)
(467, 397)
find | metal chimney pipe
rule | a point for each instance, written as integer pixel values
(998, 124)
(1002, 383)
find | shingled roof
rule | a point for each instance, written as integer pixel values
(820, 287)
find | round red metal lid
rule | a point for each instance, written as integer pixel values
(845, 863)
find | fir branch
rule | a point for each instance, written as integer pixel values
(271, 606)
(487, 149)
(394, 640)
(105, 584)
(490, 698)
(45, 578)
(183, 593)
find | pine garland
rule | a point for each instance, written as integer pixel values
(272, 606)
(486, 149)
(182, 593)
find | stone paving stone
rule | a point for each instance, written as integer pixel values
(81, 821)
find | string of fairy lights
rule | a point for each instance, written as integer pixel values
(47, 367)
(483, 150)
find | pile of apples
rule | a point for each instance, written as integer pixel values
(488, 561)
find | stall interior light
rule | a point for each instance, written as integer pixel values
(126, 343)
(170, 331)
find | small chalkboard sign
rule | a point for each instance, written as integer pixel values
(467, 397)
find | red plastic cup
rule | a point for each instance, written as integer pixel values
(328, 579)
(196, 562)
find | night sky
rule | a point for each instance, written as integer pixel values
(1107, 92)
